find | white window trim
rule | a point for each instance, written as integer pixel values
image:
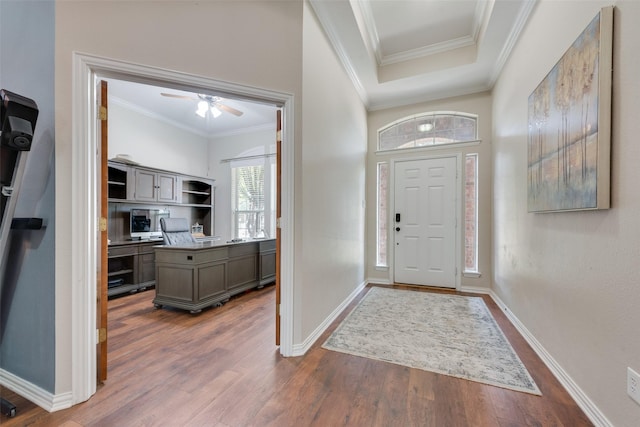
(472, 274)
(426, 148)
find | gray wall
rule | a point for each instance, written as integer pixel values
(27, 322)
(571, 278)
(330, 241)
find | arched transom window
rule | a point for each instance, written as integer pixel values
(428, 129)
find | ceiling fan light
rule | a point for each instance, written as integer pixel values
(214, 110)
(202, 108)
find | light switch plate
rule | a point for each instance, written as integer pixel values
(633, 384)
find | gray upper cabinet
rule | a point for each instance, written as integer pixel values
(155, 187)
(131, 185)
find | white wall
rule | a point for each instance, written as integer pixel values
(229, 147)
(479, 104)
(155, 143)
(263, 49)
(571, 277)
(330, 232)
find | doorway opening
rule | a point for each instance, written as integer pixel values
(202, 144)
(85, 209)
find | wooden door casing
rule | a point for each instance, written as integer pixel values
(102, 274)
(278, 215)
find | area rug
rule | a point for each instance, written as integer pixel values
(447, 334)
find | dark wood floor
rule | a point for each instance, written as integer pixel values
(221, 368)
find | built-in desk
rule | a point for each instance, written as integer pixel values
(199, 275)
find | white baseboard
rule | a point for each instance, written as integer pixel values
(48, 401)
(301, 349)
(55, 402)
(582, 400)
(379, 281)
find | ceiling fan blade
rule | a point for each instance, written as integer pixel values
(171, 95)
(229, 109)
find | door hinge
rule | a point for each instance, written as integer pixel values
(102, 224)
(278, 223)
(102, 335)
(102, 113)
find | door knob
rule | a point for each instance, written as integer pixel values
(397, 228)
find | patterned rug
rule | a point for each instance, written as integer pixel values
(447, 334)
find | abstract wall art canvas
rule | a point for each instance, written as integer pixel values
(568, 164)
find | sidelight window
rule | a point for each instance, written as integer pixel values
(382, 213)
(471, 214)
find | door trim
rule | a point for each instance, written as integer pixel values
(85, 213)
(103, 251)
(391, 236)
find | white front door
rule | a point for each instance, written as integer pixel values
(424, 222)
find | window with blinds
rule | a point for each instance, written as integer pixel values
(249, 201)
(253, 195)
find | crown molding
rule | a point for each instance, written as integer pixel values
(514, 34)
(322, 14)
(368, 29)
(423, 51)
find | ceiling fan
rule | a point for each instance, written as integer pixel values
(207, 103)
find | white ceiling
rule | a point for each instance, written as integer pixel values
(420, 27)
(400, 52)
(397, 52)
(147, 100)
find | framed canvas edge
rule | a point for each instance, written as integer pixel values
(603, 196)
(605, 71)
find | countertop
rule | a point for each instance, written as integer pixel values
(134, 242)
(213, 244)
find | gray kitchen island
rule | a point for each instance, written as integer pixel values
(199, 275)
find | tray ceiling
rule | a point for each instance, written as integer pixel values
(399, 52)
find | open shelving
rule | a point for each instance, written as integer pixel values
(196, 192)
(117, 183)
